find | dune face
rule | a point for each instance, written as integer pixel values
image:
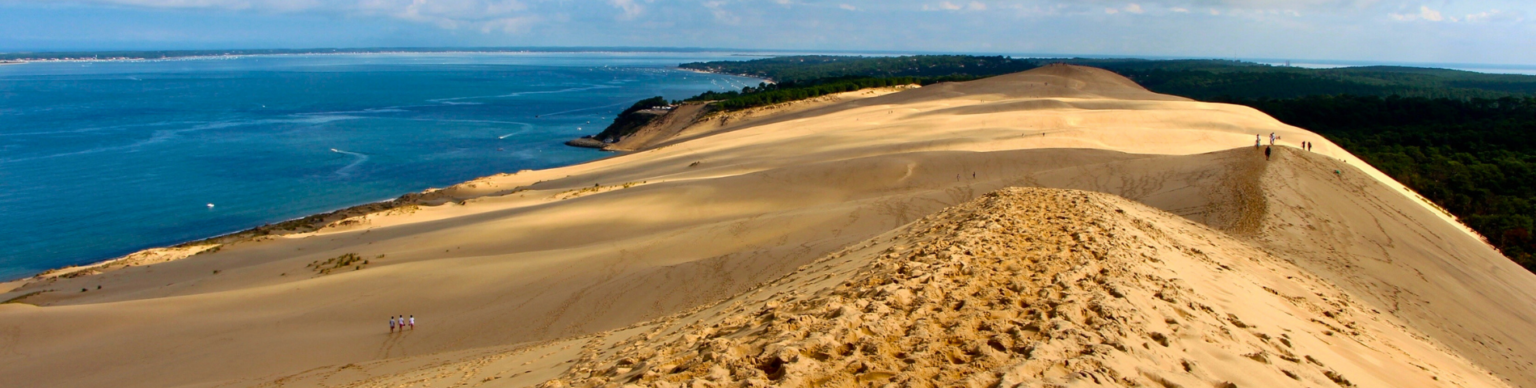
(564, 274)
(1036, 287)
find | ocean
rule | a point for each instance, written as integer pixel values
(100, 159)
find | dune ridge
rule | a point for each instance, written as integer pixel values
(512, 275)
(1036, 287)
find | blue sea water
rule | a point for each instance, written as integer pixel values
(99, 159)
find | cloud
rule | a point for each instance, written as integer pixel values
(481, 15)
(947, 6)
(950, 6)
(263, 5)
(630, 8)
(1229, 7)
(508, 25)
(722, 15)
(1432, 15)
(848, 7)
(477, 15)
(1132, 8)
(1494, 15)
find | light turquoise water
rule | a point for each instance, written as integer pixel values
(99, 159)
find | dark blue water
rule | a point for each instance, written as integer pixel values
(101, 159)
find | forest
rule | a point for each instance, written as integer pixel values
(808, 68)
(765, 94)
(1461, 139)
(629, 121)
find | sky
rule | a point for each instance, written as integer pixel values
(1413, 31)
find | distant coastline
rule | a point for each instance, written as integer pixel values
(765, 79)
(161, 55)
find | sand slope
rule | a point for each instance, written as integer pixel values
(510, 275)
(1036, 287)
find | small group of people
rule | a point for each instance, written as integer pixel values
(1258, 141)
(401, 322)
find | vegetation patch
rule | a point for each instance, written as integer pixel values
(338, 263)
(765, 94)
(596, 187)
(803, 68)
(19, 298)
(631, 119)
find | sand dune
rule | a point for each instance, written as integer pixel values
(1036, 287)
(516, 278)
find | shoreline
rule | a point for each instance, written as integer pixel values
(429, 197)
(257, 231)
(315, 221)
(753, 76)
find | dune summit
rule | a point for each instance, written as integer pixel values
(814, 247)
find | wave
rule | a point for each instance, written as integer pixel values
(347, 171)
(392, 109)
(526, 128)
(96, 129)
(594, 87)
(582, 109)
(161, 136)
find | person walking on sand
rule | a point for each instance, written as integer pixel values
(413, 322)
(1271, 138)
(1266, 153)
(391, 324)
(1257, 141)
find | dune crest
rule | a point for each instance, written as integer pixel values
(1035, 287)
(1050, 81)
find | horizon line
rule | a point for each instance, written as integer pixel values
(18, 54)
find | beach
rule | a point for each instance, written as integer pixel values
(172, 137)
(1110, 235)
